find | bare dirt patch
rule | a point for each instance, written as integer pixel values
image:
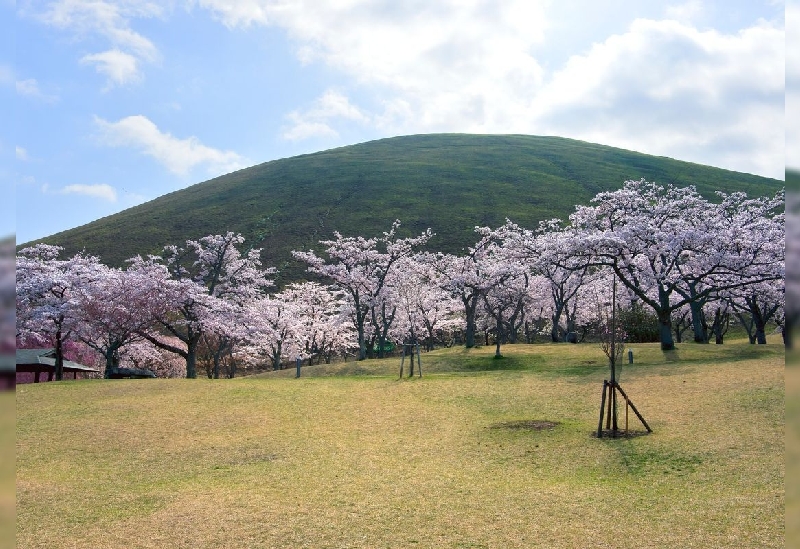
(526, 424)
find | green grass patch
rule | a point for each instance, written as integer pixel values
(458, 458)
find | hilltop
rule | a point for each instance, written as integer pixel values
(448, 182)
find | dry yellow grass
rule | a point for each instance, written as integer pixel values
(368, 461)
(7, 509)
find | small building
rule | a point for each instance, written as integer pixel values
(31, 363)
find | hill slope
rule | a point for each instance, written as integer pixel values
(448, 182)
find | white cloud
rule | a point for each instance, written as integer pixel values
(669, 89)
(111, 21)
(108, 19)
(659, 86)
(792, 119)
(314, 122)
(686, 12)
(304, 129)
(21, 153)
(30, 88)
(450, 63)
(102, 191)
(242, 13)
(121, 68)
(179, 156)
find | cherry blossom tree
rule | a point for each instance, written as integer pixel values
(208, 278)
(719, 314)
(538, 308)
(746, 249)
(504, 303)
(359, 267)
(47, 288)
(273, 329)
(667, 242)
(322, 328)
(548, 253)
(426, 310)
(143, 354)
(468, 278)
(756, 305)
(115, 307)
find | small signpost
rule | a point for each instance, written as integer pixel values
(298, 363)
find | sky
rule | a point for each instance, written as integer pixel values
(106, 104)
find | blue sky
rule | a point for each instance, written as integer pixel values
(109, 103)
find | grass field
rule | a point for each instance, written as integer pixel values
(352, 457)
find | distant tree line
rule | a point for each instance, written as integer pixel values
(683, 264)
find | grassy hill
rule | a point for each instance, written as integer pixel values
(448, 182)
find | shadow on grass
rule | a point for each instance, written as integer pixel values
(653, 461)
(671, 355)
(485, 363)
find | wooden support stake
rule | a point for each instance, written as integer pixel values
(419, 361)
(614, 425)
(602, 409)
(626, 415)
(402, 360)
(635, 411)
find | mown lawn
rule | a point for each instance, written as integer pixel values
(352, 457)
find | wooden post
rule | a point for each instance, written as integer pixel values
(626, 416)
(602, 409)
(402, 360)
(614, 425)
(419, 361)
(635, 411)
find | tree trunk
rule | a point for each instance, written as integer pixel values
(665, 330)
(59, 356)
(664, 320)
(362, 344)
(217, 358)
(191, 362)
(554, 335)
(759, 321)
(699, 324)
(747, 324)
(371, 347)
(470, 306)
(499, 335)
(761, 334)
(720, 325)
(112, 359)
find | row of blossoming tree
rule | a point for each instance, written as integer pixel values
(682, 262)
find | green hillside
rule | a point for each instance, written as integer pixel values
(448, 182)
